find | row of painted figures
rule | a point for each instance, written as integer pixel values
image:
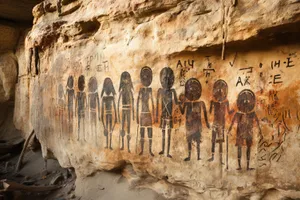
(189, 104)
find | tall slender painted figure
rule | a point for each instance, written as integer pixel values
(219, 105)
(81, 104)
(245, 118)
(108, 108)
(165, 97)
(144, 118)
(70, 99)
(94, 106)
(193, 108)
(125, 92)
(61, 105)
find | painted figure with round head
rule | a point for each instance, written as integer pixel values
(108, 110)
(245, 118)
(144, 118)
(219, 105)
(193, 109)
(166, 95)
(61, 105)
(94, 106)
(70, 100)
(126, 97)
(81, 105)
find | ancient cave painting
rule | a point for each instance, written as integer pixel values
(219, 105)
(165, 97)
(144, 118)
(81, 104)
(126, 93)
(70, 100)
(245, 118)
(108, 108)
(94, 106)
(192, 109)
(60, 106)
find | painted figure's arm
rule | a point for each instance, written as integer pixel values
(102, 113)
(175, 96)
(98, 104)
(152, 102)
(115, 110)
(137, 108)
(132, 104)
(211, 106)
(230, 112)
(258, 125)
(157, 104)
(232, 122)
(205, 114)
(119, 105)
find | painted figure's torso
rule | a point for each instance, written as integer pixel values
(145, 97)
(166, 103)
(93, 100)
(81, 98)
(219, 112)
(126, 96)
(108, 103)
(245, 124)
(193, 117)
(70, 96)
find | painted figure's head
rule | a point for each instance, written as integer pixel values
(93, 84)
(60, 91)
(246, 101)
(220, 90)
(81, 83)
(167, 78)
(125, 81)
(146, 76)
(108, 87)
(70, 82)
(193, 89)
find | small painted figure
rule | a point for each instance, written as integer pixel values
(81, 104)
(61, 105)
(108, 108)
(94, 106)
(219, 106)
(165, 97)
(125, 92)
(193, 108)
(245, 118)
(144, 118)
(70, 99)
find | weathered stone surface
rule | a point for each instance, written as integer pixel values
(95, 40)
(8, 37)
(8, 76)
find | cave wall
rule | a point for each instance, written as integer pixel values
(79, 50)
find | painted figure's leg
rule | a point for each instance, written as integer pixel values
(142, 132)
(128, 130)
(169, 143)
(150, 141)
(78, 131)
(239, 157)
(106, 129)
(248, 158)
(83, 127)
(123, 131)
(213, 144)
(189, 150)
(110, 132)
(198, 150)
(163, 142)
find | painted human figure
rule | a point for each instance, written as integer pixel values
(126, 94)
(61, 106)
(165, 97)
(94, 105)
(219, 105)
(245, 118)
(81, 104)
(144, 118)
(70, 93)
(193, 108)
(108, 108)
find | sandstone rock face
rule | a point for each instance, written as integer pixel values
(8, 76)
(148, 75)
